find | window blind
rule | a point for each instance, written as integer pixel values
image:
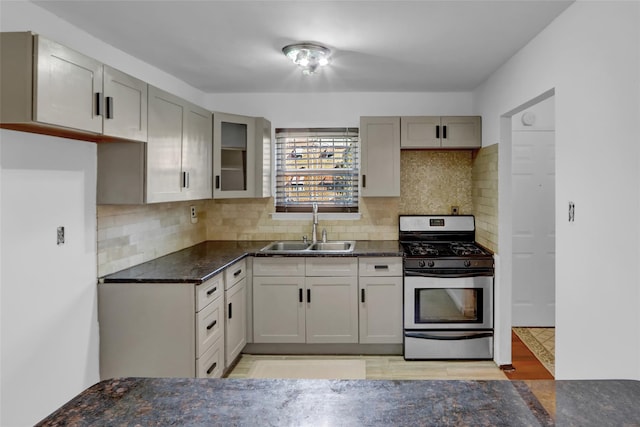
(317, 165)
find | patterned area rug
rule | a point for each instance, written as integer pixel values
(542, 343)
(347, 369)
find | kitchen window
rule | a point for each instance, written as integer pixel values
(317, 165)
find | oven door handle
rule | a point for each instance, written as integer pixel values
(427, 336)
(408, 273)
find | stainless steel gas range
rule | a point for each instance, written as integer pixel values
(448, 289)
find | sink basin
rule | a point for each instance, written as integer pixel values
(284, 246)
(302, 247)
(333, 246)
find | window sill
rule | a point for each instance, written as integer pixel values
(327, 216)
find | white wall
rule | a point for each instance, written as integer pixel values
(25, 16)
(590, 56)
(49, 319)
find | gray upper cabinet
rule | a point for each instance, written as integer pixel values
(380, 153)
(241, 156)
(179, 149)
(175, 163)
(125, 106)
(464, 132)
(49, 88)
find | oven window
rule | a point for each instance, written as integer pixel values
(448, 305)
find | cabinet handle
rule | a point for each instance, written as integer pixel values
(300, 297)
(211, 368)
(237, 273)
(217, 181)
(362, 299)
(109, 107)
(98, 104)
(212, 325)
(444, 132)
(381, 267)
(437, 131)
(230, 310)
(308, 296)
(212, 290)
(185, 179)
(364, 181)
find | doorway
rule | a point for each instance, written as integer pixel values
(533, 215)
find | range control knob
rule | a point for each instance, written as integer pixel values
(431, 263)
(421, 263)
(467, 263)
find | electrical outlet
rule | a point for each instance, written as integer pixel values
(455, 210)
(194, 214)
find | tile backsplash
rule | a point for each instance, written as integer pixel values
(431, 182)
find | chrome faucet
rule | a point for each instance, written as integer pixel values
(314, 235)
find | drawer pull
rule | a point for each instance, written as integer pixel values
(362, 299)
(381, 267)
(212, 290)
(212, 325)
(237, 273)
(212, 368)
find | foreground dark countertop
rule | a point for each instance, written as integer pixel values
(200, 262)
(244, 402)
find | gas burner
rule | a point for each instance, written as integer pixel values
(422, 249)
(463, 249)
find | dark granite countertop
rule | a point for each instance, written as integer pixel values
(200, 262)
(235, 402)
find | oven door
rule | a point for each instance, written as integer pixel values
(462, 303)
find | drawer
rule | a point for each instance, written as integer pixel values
(211, 364)
(332, 266)
(234, 273)
(209, 325)
(278, 266)
(380, 266)
(208, 291)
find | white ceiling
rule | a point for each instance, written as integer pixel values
(379, 46)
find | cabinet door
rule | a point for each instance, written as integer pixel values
(164, 149)
(380, 310)
(380, 147)
(125, 106)
(420, 132)
(235, 324)
(68, 87)
(234, 156)
(332, 310)
(278, 309)
(263, 157)
(461, 132)
(196, 154)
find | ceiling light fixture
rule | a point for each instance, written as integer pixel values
(308, 56)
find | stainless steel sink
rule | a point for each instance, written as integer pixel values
(347, 246)
(285, 246)
(302, 247)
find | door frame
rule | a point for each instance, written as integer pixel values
(503, 294)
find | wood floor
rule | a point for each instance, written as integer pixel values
(396, 368)
(527, 367)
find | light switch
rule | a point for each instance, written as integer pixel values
(572, 211)
(60, 235)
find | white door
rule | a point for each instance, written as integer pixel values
(533, 186)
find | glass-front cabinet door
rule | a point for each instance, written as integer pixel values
(234, 156)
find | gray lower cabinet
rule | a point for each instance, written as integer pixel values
(235, 311)
(380, 300)
(305, 300)
(162, 329)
